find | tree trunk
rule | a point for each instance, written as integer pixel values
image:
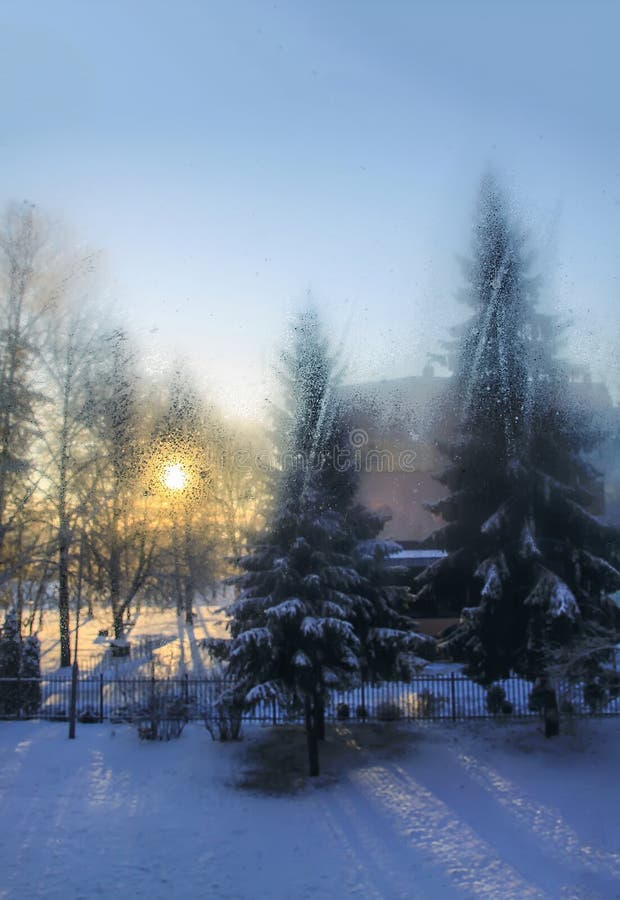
(312, 740)
(63, 615)
(117, 621)
(552, 715)
(189, 596)
(63, 597)
(115, 592)
(319, 715)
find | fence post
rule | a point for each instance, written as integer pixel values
(153, 689)
(274, 712)
(453, 695)
(101, 696)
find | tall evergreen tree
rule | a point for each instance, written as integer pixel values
(10, 657)
(30, 673)
(311, 612)
(529, 562)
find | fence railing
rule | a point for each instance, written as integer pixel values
(450, 697)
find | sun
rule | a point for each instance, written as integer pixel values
(175, 477)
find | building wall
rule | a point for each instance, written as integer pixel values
(397, 426)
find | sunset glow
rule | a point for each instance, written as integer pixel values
(175, 477)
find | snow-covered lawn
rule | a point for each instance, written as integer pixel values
(423, 811)
(177, 645)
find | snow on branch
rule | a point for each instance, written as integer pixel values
(444, 564)
(331, 678)
(470, 614)
(301, 660)
(246, 604)
(318, 628)
(312, 627)
(449, 507)
(609, 575)
(259, 559)
(552, 487)
(342, 575)
(495, 522)
(554, 594)
(377, 549)
(528, 548)
(330, 524)
(312, 581)
(329, 608)
(386, 636)
(493, 571)
(268, 690)
(288, 609)
(251, 639)
(350, 660)
(592, 523)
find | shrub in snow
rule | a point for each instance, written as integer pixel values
(10, 659)
(595, 696)
(541, 695)
(121, 714)
(495, 699)
(532, 568)
(342, 712)
(567, 707)
(388, 711)
(30, 673)
(223, 720)
(611, 680)
(507, 708)
(424, 704)
(164, 717)
(543, 699)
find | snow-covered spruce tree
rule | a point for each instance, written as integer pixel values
(10, 656)
(530, 564)
(30, 668)
(312, 612)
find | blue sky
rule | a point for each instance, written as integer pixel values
(230, 157)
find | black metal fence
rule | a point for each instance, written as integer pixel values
(450, 697)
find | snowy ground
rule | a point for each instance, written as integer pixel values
(177, 644)
(425, 811)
